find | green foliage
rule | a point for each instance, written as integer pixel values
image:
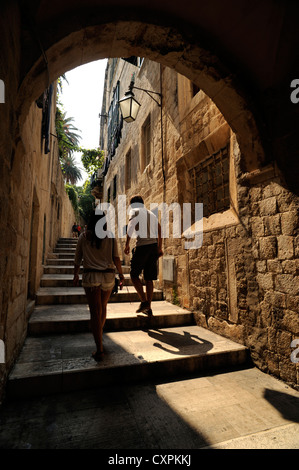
(92, 159)
(73, 196)
(86, 202)
(71, 172)
(68, 139)
(81, 199)
(175, 297)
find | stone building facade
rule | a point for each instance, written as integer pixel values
(38, 211)
(243, 281)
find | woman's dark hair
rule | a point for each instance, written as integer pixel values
(136, 199)
(91, 227)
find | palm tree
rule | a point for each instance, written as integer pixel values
(71, 172)
(68, 142)
(68, 139)
(69, 129)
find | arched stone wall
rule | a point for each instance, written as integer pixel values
(164, 45)
(243, 56)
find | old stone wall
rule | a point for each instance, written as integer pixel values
(247, 275)
(243, 281)
(35, 212)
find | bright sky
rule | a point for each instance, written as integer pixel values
(82, 100)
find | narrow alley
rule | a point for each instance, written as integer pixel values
(164, 382)
(195, 117)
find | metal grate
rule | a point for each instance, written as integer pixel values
(211, 182)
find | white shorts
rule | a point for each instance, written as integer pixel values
(104, 280)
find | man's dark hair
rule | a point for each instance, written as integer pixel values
(136, 199)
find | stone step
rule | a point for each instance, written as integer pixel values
(61, 319)
(55, 261)
(71, 244)
(64, 249)
(69, 263)
(63, 255)
(66, 280)
(62, 363)
(76, 295)
(60, 269)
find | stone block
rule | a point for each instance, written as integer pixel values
(268, 206)
(277, 299)
(293, 303)
(290, 266)
(272, 225)
(283, 343)
(256, 194)
(285, 248)
(284, 201)
(261, 266)
(274, 266)
(257, 227)
(290, 322)
(272, 189)
(272, 363)
(287, 283)
(265, 281)
(289, 223)
(267, 247)
(287, 370)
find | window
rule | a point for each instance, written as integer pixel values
(114, 123)
(137, 61)
(109, 194)
(211, 182)
(114, 186)
(128, 170)
(146, 139)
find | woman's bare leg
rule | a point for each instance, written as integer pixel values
(93, 295)
(105, 295)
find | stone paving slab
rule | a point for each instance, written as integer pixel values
(240, 409)
(66, 280)
(71, 295)
(63, 362)
(49, 319)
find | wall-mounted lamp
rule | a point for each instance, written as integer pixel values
(129, 106)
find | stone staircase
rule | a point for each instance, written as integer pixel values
(56, 355)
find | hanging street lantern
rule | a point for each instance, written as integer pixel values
(129, 106)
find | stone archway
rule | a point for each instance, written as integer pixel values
(159, 43)
(67, 34)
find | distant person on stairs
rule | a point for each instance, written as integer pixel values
(100, 257)
(75, 230)
(144, 225)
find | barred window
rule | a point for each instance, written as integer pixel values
(146, 133)
(114, 186)
(114, 123)
(128, 169)
(211, 182)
